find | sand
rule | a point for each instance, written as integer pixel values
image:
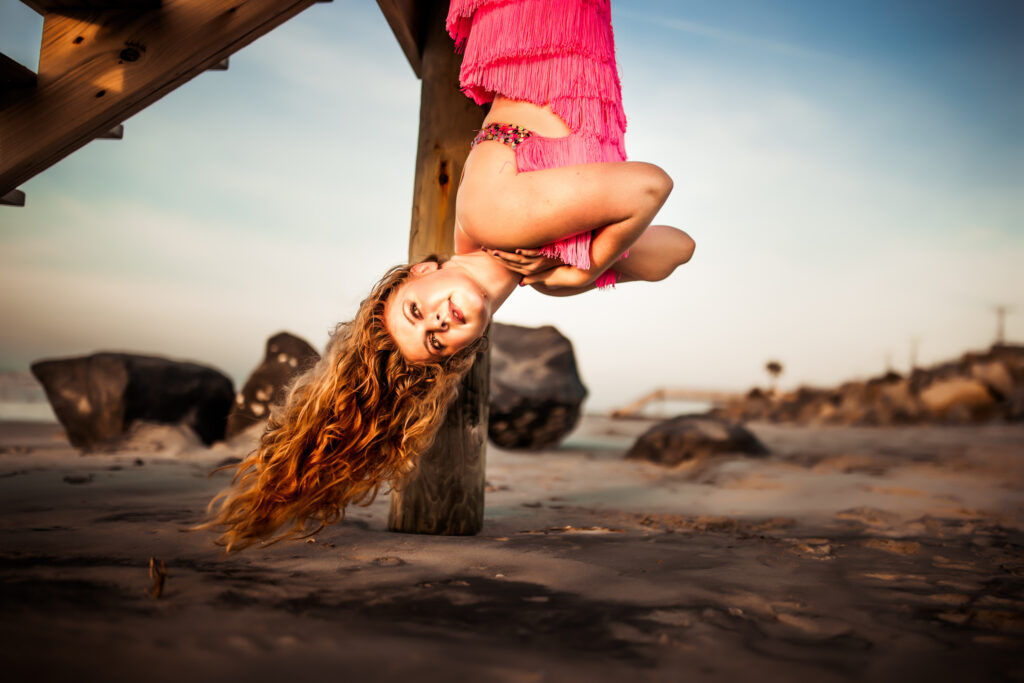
(848, 554)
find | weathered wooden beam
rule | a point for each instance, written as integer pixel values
(13, 198)
(404, 18)
(445, 495)
(16, 82)
(14, 75)
(47, 6)
(222, 65)
(115, 133)
(98, 68)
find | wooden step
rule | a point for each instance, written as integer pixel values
(16, 81)
(14, 75)
(13, 198)
(47, 6)
(115, 133)
(99, 67)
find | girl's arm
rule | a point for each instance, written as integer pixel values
(659, 251)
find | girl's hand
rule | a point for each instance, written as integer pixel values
(559, 277)
(524, 261)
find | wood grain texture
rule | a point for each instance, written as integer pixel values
(448, 122)
(445, 495)
(46, 6)
(98, 67)
(405, 19)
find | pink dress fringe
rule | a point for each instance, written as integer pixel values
(548, 52)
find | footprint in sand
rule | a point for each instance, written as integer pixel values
(895, 547)
(812, 548)
(872, 517)
(817, 627)
(903, 580)
(946, 563)
(951, 599)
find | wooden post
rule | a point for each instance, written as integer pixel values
(445, 495)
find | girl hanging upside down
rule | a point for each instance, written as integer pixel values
(547, 199)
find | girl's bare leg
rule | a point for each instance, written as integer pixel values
(500, 208)
(658, 252)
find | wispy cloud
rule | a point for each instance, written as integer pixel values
(722, 35)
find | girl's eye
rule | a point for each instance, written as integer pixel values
(434, 342)
(415, 310)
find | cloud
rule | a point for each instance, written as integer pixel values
(733, 38)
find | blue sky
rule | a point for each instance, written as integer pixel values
(851, 173)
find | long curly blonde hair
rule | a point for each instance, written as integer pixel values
(355, 421)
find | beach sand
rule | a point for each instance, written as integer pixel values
(848, 554)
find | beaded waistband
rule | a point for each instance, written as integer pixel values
(505, 133)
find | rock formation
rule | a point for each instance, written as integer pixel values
(690, 437)
(97, 398)
(974, 388)
(286, 356)
(536, 391)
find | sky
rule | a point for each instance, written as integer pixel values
(852, 174)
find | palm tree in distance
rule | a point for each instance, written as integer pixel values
(774, 369)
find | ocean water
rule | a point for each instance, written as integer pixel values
(22, 398)
(26, 411)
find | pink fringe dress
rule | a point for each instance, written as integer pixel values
(548, 52)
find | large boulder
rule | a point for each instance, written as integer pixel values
(97, 398)
(958, 399)
(535, 392)
(1015, 405)
(286, 356)
(995, 376)
(691, 437)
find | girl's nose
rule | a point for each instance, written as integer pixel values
(442, 322)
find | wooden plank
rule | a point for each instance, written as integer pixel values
(404, 18)
(47, 6)
(15, 75)
(115, 133)
(448, 122)
(445, 495)
(98, 68)
(16, 82)
(13, 198)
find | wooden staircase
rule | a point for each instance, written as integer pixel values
(103, 60)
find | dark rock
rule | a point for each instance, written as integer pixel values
(1015, 405)
(995, 376)
(690, 437)
(286, 356)
(535, 390)
(98, 397)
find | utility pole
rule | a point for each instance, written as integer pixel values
(1001, 312)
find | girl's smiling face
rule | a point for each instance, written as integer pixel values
(436, 312)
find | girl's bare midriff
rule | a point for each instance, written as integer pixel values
(539, 120)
